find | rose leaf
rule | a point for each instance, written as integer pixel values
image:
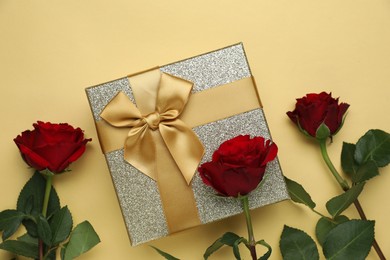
(28, 239)
(348, 162)
(236, 251)
(374, 145)
(10, 221)
(338, 204)
(31, 226)
(20, 248)
(213, 248)
(268, 253)
(44, 231)
(325, 225)
(228, 239)
(164, 254)
(298, 194)
(296, 244)
(61, 225)
(349, 240)
(82, 239)
(366, 171)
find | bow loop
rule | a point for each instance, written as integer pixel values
(115, 114)
(140, 144)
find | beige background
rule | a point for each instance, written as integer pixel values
(51, 50)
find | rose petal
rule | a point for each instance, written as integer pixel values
(211, 174)
(33, 159)
(241, 181)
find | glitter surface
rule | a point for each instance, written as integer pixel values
(100, 95)
(139, 200)
(138, 195)
(212, 69)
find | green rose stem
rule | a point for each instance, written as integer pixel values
(251, 239)
(344, 185)
(49, 179)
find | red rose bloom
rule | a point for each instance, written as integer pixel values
(238, 166)
(315, 109)
(51, 146)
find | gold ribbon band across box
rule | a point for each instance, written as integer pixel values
(157, 126)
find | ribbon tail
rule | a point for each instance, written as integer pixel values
(184, 146)
(140, 150)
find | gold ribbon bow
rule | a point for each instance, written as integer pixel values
(161, 100)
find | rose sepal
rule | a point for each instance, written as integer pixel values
(47, 173)
(322, 132)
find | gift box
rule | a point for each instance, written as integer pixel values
(155, 127)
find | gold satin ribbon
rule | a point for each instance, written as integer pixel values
(162, 104)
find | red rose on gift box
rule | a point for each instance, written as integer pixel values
(51, 146)
(313, 110)
(238, 166)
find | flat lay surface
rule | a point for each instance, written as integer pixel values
(51, 51)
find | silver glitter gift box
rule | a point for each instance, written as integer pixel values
(138, 194)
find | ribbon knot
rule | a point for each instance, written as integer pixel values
(153, 120)
(167, 99)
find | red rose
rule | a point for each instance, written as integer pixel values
(51, 146)
(238, 166)
(315, 109)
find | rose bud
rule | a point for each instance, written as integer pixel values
(319, 115)
(51, 146)
(238, 166)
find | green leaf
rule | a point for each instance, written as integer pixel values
(31, 227)
(62, 252)
(28, 239)
(236, 250)
(348, 162)
(338, 204)
(20, 248)
(61, 225)
(227, 239)
(29, 204)
(365, 172)
(349, 240)
(44, 231)
(296, 244)
(298, 193)
(374, 145)
(268, 253)
(10, 221)
(213, 248)
(322, 132)
(325, 225)
(82, 239)
(164, 254)
(30, 200)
